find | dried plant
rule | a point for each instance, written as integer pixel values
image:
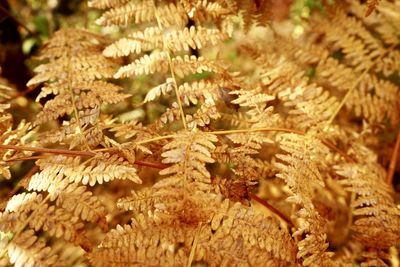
(284, 156)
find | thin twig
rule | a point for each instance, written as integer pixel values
(154, 165)
(68, 153)
(25, 158)
(266, 129)
(49, 150)
(340, 152)
(165, 50)
(273, 209)
(393, 161)
(222, 132)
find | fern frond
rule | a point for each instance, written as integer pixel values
(372, 98)
(159, 90)
(83, 204)
(148, 64)
(192, 92)
(59, 222)
(204, 115)
(23, 202)
(376, 217)
(189, 153)
(188, 65)
(27, 250)
(132, 129)
(11, 134)
(154, 247)
(103, 4)
(72, 74)
(73, 198)
(174, 41)
(141, 12)
(201, 11)
(215, 240)
(193, 37)
(301, 173)
(241, 233)
(139, 202)
(136, 42)
(122, 14)
(103, 168)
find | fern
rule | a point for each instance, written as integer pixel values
(200, 134)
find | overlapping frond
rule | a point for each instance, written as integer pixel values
(360, 54)
(73, 75)
(300, 171)
(33, 212)
(162, 46)
(236, 236)
(27, 250)
(213, 153)
(376, 216)
(11, 134)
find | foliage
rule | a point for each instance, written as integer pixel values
(206, 133)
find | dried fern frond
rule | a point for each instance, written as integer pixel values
(300, 171)
(103, 4)
(11, 134)
(103, 168)
(164, 38)
(371, 98)
(57, 222)
(376, 217)
(143, 11)
(307, 105)
(82, 203)
(175, 41)
(23, 202)
(192, 150)
(72, 74)
(211, 242)
(27, 250)
(237, 234)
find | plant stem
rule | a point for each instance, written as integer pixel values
(68, 153)
(178, 97)
(25, 158)
(272, 209)
(267, 129)
(49, 150)
(393, 161)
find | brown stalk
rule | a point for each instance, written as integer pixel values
(48, 150)
(68, 153)
(272, 208)
(393, 161)
(25, 158)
